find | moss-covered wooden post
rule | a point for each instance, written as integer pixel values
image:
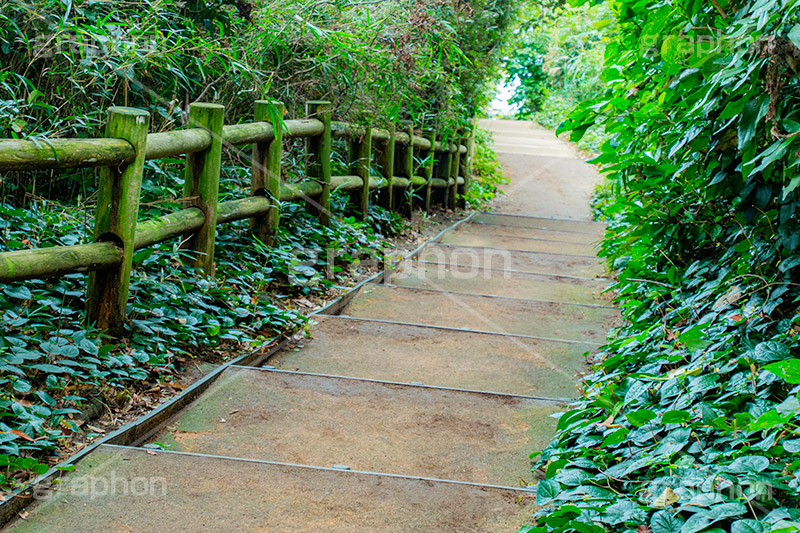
(201, 187)
(266, 171)
(467, 161)
(115, 221)
(361, 168)
(429, 166)
(407, 167)
(446, 158)
(464, 171)
(385, 159)
(455, 163)
(318, 150)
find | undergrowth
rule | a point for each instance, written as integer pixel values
(556, 61)
(488, 175)
(690, 421)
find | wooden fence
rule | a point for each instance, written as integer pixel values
(127, 145)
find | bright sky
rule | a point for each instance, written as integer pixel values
(500, 106)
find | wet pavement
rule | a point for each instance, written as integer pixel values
(415, 408)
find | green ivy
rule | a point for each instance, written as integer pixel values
(690, 421)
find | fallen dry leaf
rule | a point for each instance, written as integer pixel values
(667, 498)
(19, 434)
(609, 423)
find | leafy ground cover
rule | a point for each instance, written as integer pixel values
(690, 421)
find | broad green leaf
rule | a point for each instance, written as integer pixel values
(20, 292)
(792, 445)
(794, 35)
(50, 369)
(748, 122)
(666, 522)
(546, 491)
(640, 417)
(20, 385)
(770, 351)
(656, 22)
(675, 417)
(788, 370)
(751, 463)
(615, 437)
(748, 526)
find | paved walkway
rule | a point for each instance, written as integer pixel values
(415, 409)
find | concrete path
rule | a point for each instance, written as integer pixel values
(414, 409)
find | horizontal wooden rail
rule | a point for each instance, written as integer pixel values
(41, 154)
(57, 261)
(20, 265)
(396, 152)
(176, 143)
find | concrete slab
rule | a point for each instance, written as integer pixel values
(548, 177)
(392, 352)
(466, 280)
(530, 233)
(174, 492)
(539, 319)
(325, 421)
(551, 224)
(533, 262)
(516, 243)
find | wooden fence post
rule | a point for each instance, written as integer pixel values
(318, 149)
(385, 159)
(117, 209)
(407, 167)
(266, 165)
(361, 168)
(455, 163)
(429, 166)
(444, 173)
(462, 165)
(201, 186)
(468, 161)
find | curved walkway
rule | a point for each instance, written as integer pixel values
(414, 409)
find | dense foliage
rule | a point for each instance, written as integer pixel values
(64, 63)
(488, 175)
(556, 60)
(691, 421)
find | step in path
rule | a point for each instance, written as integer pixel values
(415, 408)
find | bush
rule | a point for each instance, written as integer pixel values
(690, 420)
